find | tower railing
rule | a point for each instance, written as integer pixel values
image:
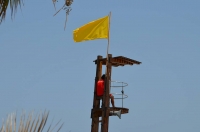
(122, 85)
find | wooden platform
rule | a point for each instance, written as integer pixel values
(98, 112)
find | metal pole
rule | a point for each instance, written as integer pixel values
(122, 93)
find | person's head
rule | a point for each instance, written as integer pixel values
(103, 77)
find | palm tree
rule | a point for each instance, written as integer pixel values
(29, 124)
(13, 6)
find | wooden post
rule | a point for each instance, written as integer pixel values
(96, 103)
(106, 98)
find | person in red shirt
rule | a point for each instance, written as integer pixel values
(100, 89)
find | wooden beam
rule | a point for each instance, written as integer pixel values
(106, 98)
(96, 102)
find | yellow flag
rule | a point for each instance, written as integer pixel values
(97, 29)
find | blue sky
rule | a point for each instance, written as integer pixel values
(42, 68)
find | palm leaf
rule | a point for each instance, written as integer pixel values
(27, 125)
(13, 6)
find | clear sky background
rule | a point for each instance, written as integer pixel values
(42, 68)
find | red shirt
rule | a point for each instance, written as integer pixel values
(100, 87)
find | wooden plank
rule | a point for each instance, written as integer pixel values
(120, 61)
(98, 112)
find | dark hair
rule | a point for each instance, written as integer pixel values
(103, 76)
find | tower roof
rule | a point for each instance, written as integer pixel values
(119, 61)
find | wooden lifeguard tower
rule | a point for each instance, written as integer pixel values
(105, 110)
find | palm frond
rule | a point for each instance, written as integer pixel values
(3, 8)
(27, 124)
(13, 6)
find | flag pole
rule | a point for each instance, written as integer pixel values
(108, 46)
